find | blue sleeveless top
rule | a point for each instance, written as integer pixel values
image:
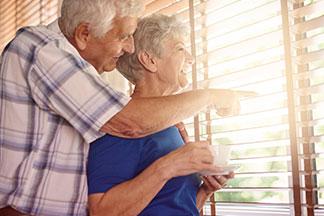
(113, 160)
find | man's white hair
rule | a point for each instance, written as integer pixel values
(99, 14)
(149, 36)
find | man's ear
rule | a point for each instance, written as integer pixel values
(148, 61)
(82, 35)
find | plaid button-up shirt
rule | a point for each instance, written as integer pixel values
(52, 105)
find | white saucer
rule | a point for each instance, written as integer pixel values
(225, 170)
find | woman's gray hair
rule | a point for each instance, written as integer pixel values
(149, 36)
(99, 14)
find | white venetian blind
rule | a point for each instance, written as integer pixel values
(240, 46)
(15, 14)
(273, 47)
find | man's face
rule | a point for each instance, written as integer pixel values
(104, 52)
(173, 63)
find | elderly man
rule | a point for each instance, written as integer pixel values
(148, 176)
(54, 103)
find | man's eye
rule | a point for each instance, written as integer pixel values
(124, 37)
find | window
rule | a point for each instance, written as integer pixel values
(241, 47)
(17, 13)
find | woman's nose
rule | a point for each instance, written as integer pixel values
(189, 58)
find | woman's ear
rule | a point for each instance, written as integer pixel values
(82, 36)
(148, 61)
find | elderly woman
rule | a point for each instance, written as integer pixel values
(118, 167)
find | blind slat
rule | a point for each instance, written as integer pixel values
(155, 6)
(308, 9)
(315, 89)
(308, 25)
(309, 57)
(316, 39)
(175, 8)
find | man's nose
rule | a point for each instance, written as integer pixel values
(129, 46)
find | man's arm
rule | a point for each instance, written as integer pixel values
(132, 196)
(144, 116)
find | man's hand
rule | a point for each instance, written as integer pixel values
(214, 183)
(227, 102)
(190, 158)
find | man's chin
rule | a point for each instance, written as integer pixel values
(110, 67)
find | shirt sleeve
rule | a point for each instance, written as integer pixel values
(111, 161)
(65, 84)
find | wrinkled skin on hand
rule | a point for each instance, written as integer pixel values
(215, 182)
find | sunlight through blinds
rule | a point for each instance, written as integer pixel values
(240, 46)
(15, 14)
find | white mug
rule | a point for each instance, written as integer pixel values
(221, 154)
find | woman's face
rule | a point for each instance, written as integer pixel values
(173, 63)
